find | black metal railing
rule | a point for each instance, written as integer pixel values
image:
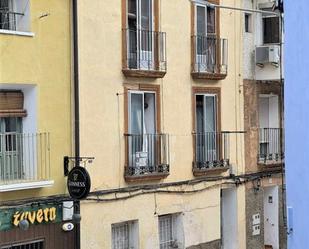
(212, 150)
(145, 50)
(9, 19)
(147, 154)
(270, 145)
(209, 54)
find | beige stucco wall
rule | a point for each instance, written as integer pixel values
(44, 61)
(102, 122)
(197, 216)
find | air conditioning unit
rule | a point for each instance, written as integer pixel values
(267, 54)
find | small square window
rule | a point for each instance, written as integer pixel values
(248, 23)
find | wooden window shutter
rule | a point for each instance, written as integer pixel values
(12, 104)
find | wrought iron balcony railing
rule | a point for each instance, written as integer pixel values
(212, 150)
(9, 19)
(24, 157)
(209, 55)
(147, 154)
(270, 146)
(144, 50)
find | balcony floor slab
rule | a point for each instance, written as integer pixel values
(25, 185)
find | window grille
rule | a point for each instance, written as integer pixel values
(28, 245)
(166, 231)
(120, 236)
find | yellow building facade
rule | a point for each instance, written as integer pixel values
(161, 110)
(36, 120)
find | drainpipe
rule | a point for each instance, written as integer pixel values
(76, 110)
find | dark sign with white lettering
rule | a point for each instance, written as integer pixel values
(78, 183)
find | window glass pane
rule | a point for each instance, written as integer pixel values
(271, 30)
(132, 7)
(200, 21)
(166, 231)
(4, 16)
(120, 236)
(210, 113)
(199, 113)
(11, 126)
(149, 113)
(136, 114)
(211, 20)
(146, 15)
(248, 23)
(132, 15)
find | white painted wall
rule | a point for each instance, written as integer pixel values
(253, 39)
(271, 217)
(229, 219)
(249, 44)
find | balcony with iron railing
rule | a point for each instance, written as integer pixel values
(209, 57)
(147, 156)
(9, 20)
(212, 152)
(270, 146)
(144, 53)
(24, 161)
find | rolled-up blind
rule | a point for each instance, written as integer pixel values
(12, 104)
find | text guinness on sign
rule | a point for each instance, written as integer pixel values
(78, 183)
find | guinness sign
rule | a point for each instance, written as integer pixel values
(79, 183)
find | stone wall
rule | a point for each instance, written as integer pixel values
(216, 244)
(255, 205)
(252, 90)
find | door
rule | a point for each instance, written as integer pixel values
(270, 135)
(11, 149)
(141, 35)
(142, 129)
(205, 38)
(271, 217)
(206, 127)
(229, 218)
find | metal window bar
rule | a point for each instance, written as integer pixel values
(120, 236)
(212, 150)
(29, 245)
(145, 50)
(166, 231)
(270, 148)
(147, 154)
(24, 157)
(210, 54)
(9, 19)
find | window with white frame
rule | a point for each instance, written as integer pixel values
(141, 25)
(205, 23)
(125, 235)
(171, 231)
(142, 127)
(15, 15)
(206, 127)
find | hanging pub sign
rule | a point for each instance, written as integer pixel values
(78, 183)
